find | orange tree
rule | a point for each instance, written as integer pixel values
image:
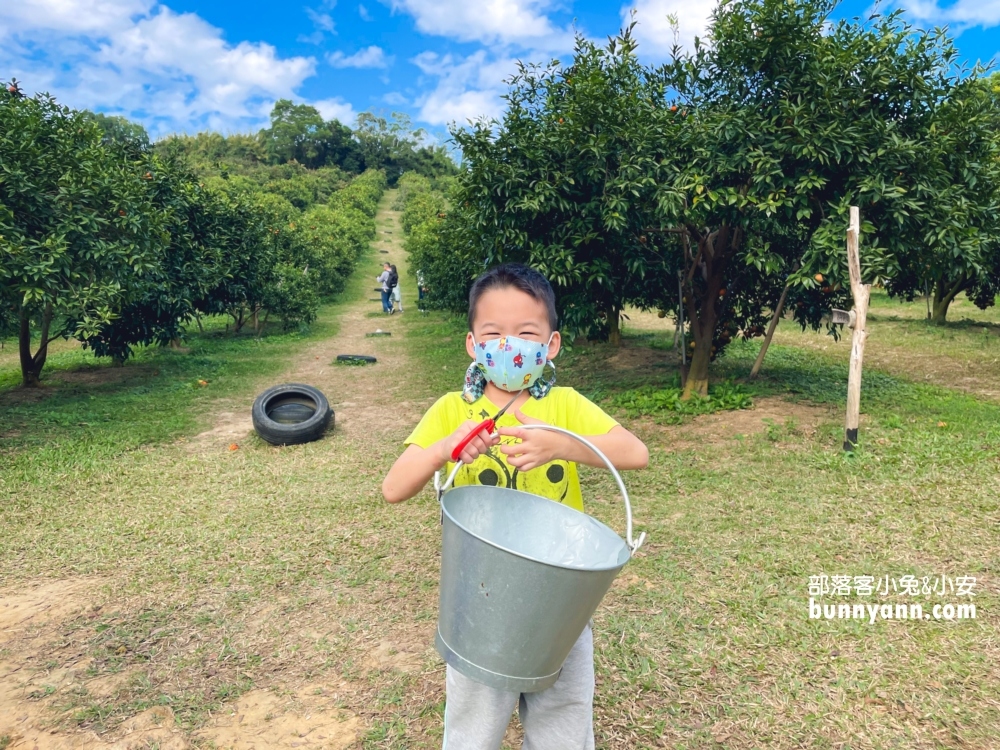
(960, 249)
(732, 167)
(565, 180)
(216, 251)
(76, 225)
(786, 119)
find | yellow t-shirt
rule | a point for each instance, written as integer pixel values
(557, 480)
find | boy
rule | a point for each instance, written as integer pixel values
(512, 336)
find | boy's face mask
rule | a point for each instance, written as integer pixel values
(511, 363)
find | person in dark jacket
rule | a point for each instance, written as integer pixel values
(394, 277)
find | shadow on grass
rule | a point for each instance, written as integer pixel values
(646, 363)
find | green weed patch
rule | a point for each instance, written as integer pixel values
(667, 405)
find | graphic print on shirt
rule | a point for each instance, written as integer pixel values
(491, 469)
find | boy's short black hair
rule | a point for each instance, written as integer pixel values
(517, 276)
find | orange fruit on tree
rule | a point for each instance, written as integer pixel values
(819, 278)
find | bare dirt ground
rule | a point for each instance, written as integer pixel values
(787, 421)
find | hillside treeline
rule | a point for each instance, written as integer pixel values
(300, 143)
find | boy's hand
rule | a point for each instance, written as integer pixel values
(476, 447)
(535, 447)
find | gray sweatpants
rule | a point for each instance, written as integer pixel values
(558, 718)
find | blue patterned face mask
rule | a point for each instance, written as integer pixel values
(511, 364)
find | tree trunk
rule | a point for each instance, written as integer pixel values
(944, 295)
(715, 250)
(940, 314)
(263, 324)
(755, 370)
(697, 375)
(702, 332)
(29, 378)
(31, 365)
(614, 326)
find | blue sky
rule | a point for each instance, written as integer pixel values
(189, 65)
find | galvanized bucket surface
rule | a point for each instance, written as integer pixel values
(520, 577)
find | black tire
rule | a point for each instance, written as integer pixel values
(355, 358)
(291, 413)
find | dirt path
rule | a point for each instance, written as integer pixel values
(358, 395)
(60, 687)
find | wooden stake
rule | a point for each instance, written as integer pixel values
(861, 293)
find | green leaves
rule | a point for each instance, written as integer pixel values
(564, 181)
(668, 404)
(105, 241)
(77, 225)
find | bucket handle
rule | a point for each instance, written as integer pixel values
(633, 545)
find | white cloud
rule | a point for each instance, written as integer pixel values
(964, 13)
(172, 71)
(363, 12)
(322, 25)
(653, 30)
(369, 57)
(70, 16)
(336, 109)
(322, 21)
(467, 89)
(520, 22)
(395, 99)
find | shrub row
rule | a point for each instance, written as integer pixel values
(118, 246)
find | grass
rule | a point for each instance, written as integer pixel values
(217, 572)
(90, 411)
(707, 641)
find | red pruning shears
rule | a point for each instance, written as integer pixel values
(487, 424)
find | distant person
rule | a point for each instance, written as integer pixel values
(394, 283)
(383, 279)
(421, 289)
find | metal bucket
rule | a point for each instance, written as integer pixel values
(520, 577)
